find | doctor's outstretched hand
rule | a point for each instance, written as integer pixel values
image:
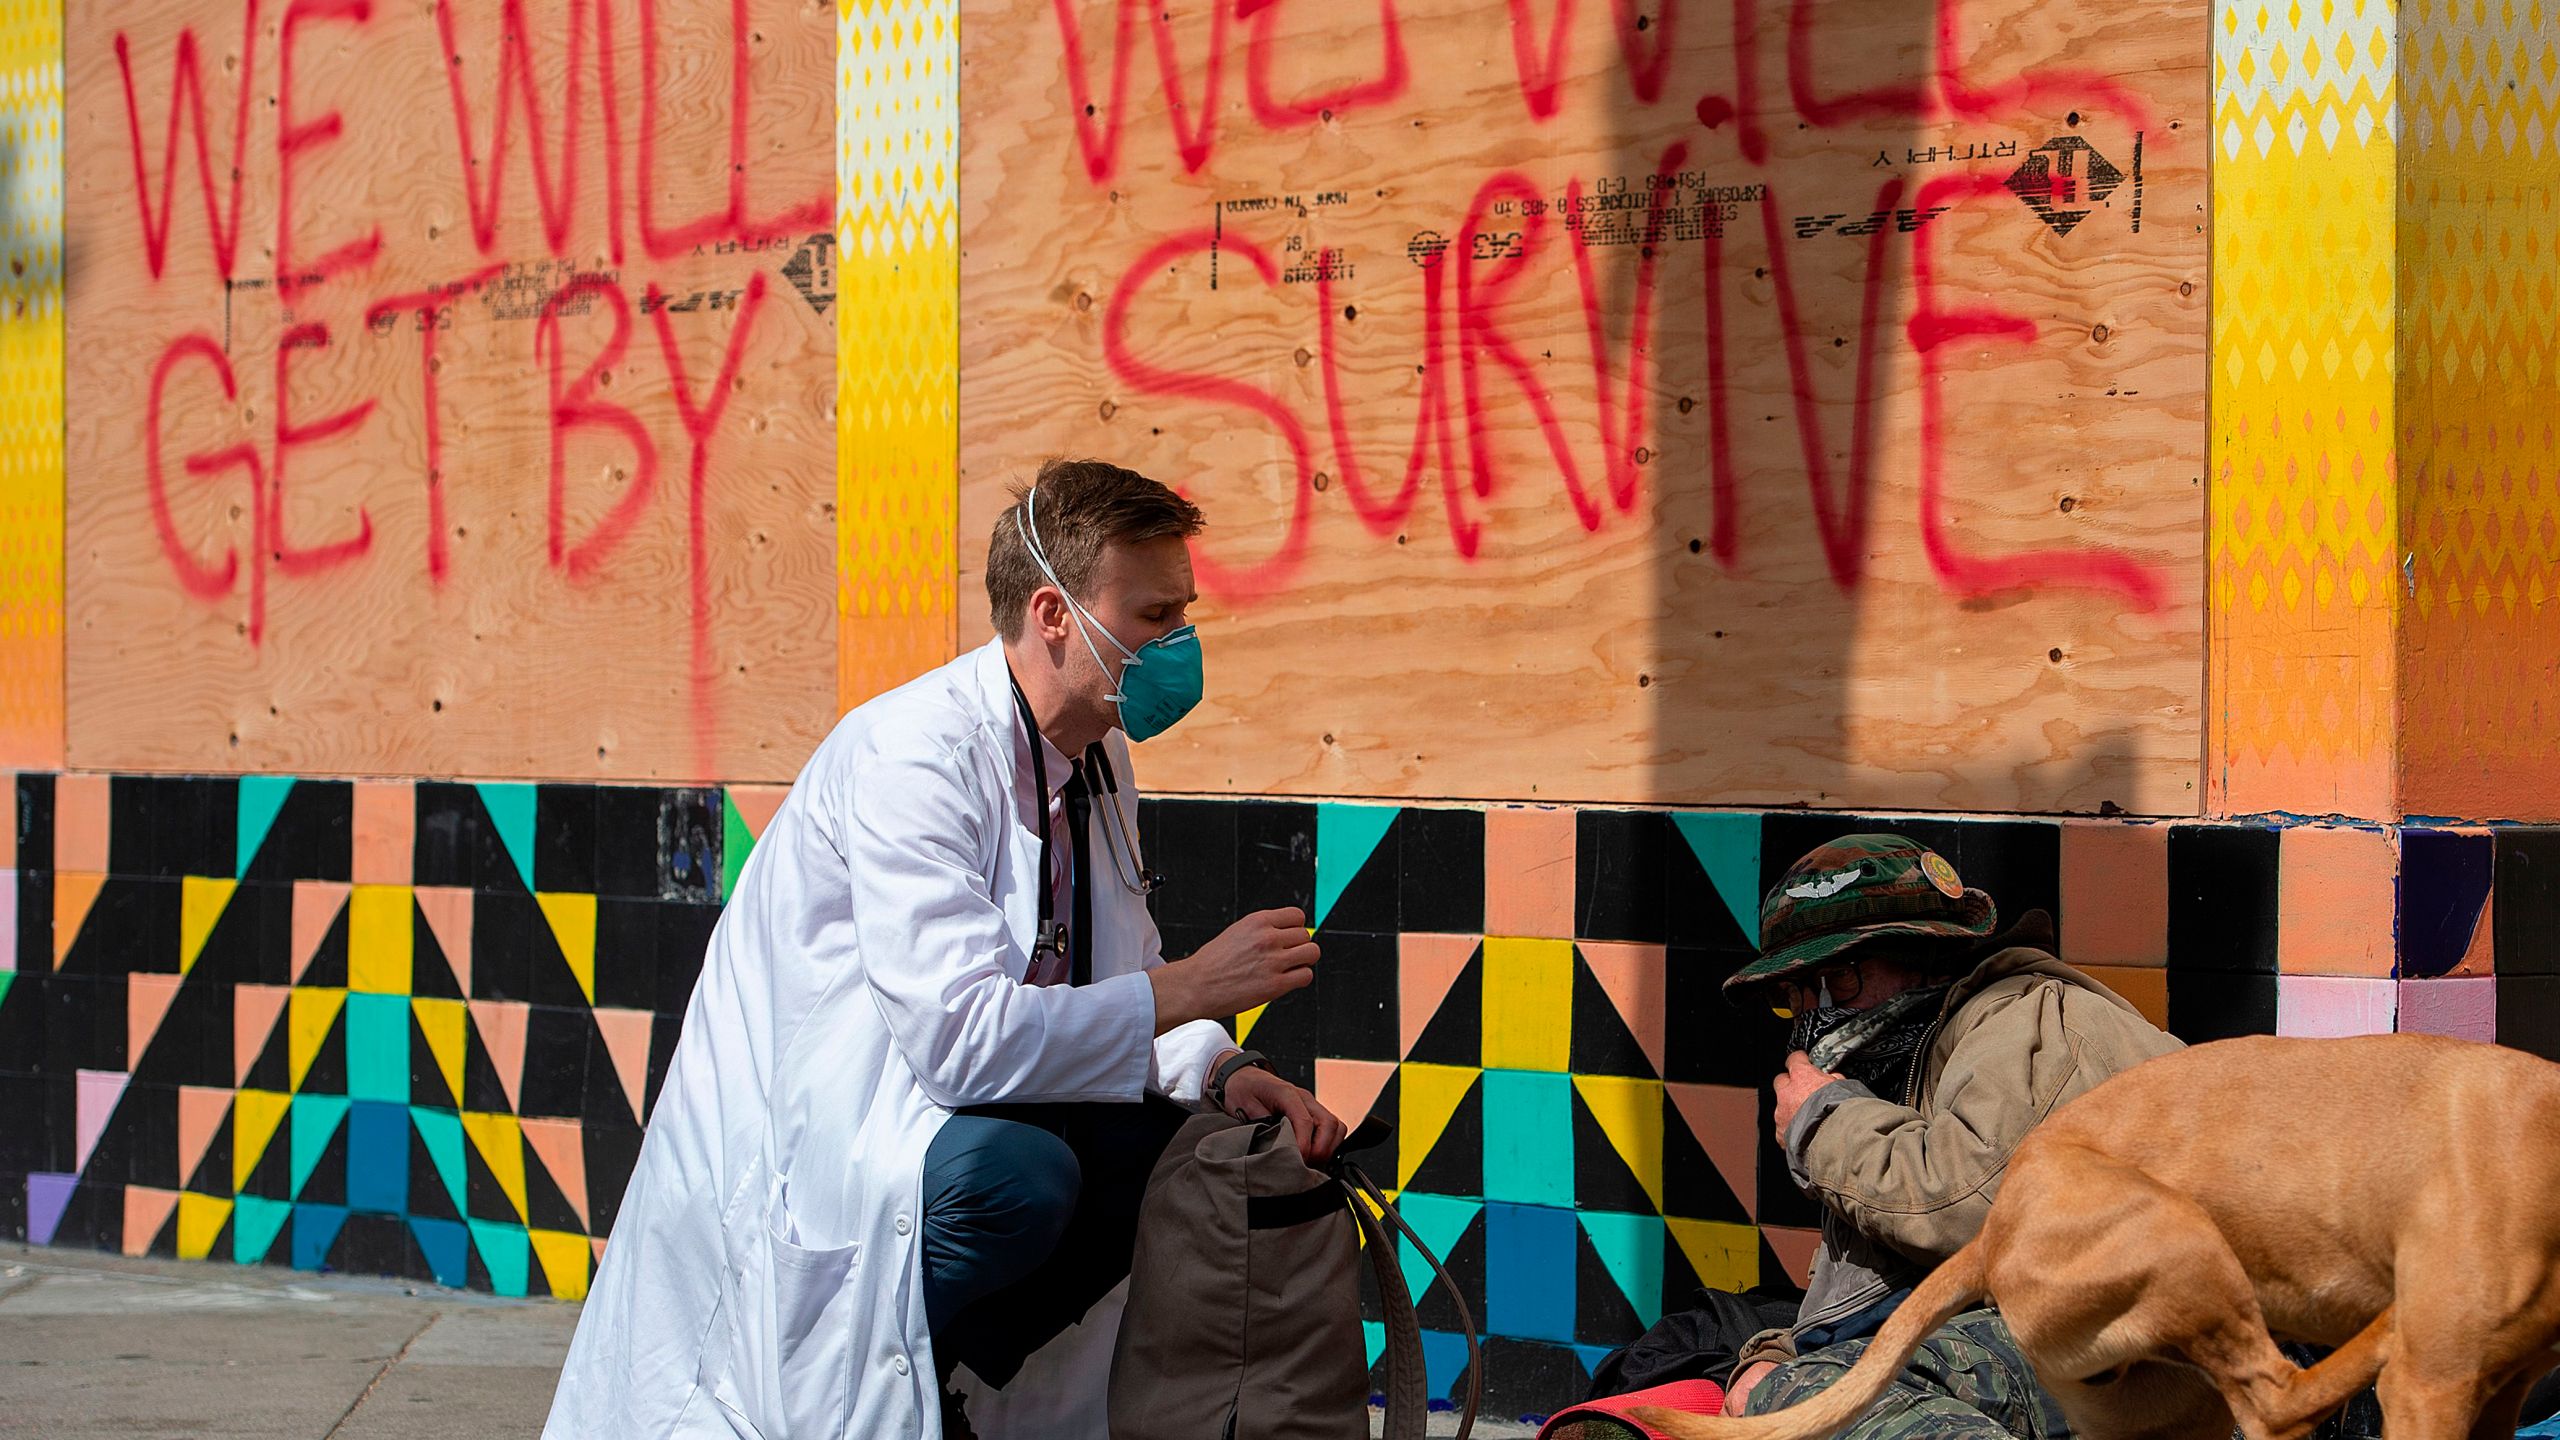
(1253, 962)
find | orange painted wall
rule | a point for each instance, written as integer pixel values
(2479, 317)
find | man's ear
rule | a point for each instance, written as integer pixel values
(1048, 613)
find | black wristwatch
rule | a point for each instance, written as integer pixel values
(1216, 1090)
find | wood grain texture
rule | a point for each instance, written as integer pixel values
(1565, 605)
(373, 639)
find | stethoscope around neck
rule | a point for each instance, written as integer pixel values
(1128, 866)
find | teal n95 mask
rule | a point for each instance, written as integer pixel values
(1159, 681)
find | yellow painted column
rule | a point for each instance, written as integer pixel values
(31, 421)
(2303, 520)
(897, 339)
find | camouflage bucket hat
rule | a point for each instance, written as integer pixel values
(1854, 891)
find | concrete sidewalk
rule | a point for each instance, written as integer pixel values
(96, 1345)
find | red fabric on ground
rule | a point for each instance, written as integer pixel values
(1610, 1419)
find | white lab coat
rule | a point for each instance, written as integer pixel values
(764, 1274)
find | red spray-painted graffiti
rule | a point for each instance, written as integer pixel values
(186, 103)
(701, 423)
(1621, 420)
(517, 90)
(555, 170)
(292, 559)
(1541, 66)
(1934, 327)
(1471, 322)
(1841, 504)
(509, 107)
(295, 139)
(1148, 378)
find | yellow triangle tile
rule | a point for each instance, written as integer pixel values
(309, 1014)
(443, 1023)
(200, 1221)
(1726, 1256)
(1630, 1114)
(201, 901)
(500, 1142)
(573, 924)
(564, 1258)
(255, 1114)
(1426, 1096)
(1245, 1022)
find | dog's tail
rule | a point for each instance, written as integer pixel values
(1949, 1290)
(2332, 1381)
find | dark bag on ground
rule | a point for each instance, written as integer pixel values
(1243, 1321)
(1702, 1342)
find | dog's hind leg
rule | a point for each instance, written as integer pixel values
(2421, 1402)
(2454, 1372)
(2103, 1267)
(2474, 1326)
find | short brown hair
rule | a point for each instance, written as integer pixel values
(1085, 505)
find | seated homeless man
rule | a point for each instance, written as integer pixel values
(935, 1052)
(1923, 1050)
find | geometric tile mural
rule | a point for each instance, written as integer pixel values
(1575, 1159)
(1531, 997)
(414, 1029)
(361, 1026)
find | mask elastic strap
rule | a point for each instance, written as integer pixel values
(1039, 556)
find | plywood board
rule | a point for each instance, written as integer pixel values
(582, 527)
(1652, 402)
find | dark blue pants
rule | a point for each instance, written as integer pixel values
(1030, 1216)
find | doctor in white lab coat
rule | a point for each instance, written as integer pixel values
(893, 1100)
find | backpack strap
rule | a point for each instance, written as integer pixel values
(1407, 1396)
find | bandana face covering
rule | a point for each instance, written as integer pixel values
(1874, 1047)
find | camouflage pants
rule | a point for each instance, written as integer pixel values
(1966, 1382)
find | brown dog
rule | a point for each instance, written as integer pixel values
(2397, 1196)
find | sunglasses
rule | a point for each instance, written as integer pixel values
(1796, 994)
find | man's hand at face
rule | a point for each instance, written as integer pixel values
(1797, 1085)
(1253, 1094)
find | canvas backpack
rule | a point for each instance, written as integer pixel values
(1243, 1319)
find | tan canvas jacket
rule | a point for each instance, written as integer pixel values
(1905, 1180)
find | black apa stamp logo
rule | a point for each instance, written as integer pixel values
(2063, 179)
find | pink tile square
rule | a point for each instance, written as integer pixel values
(386, 829)
(2464, 1007)
(80, 824)
(2329, 1006)
(2115, 893)
(1528, 873)
(2337, 901)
